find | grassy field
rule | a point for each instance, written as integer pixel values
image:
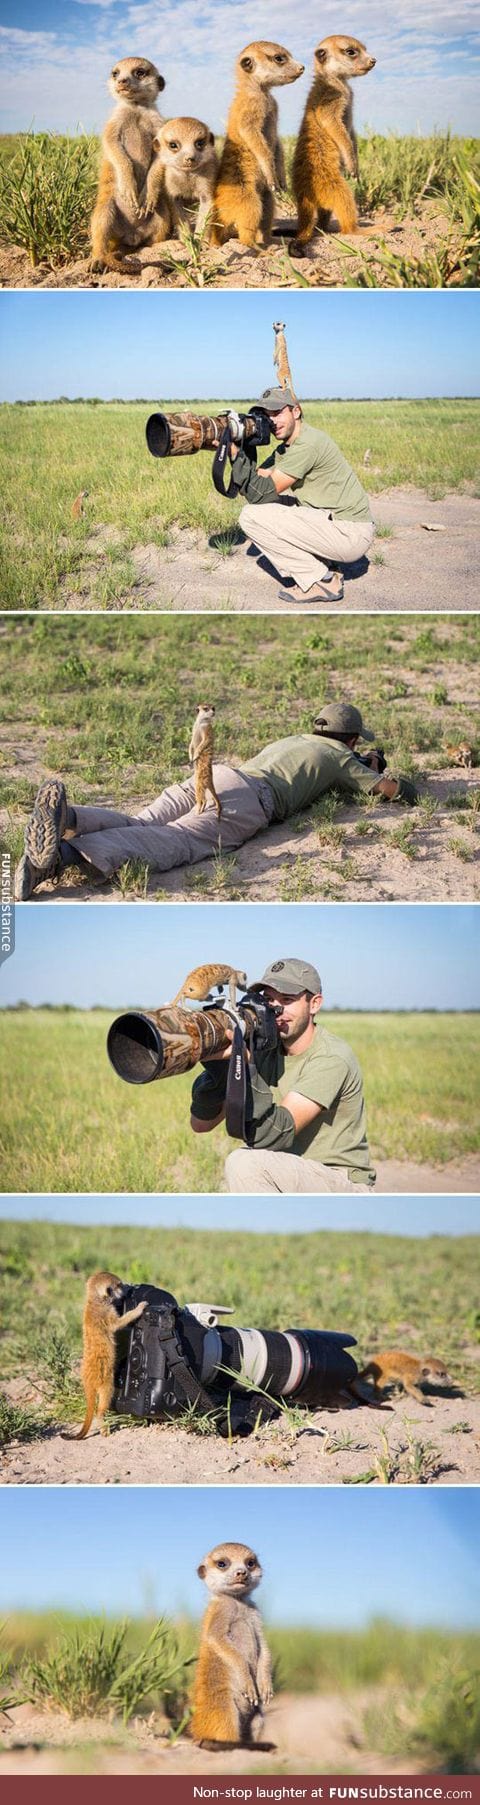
(49, 185)
(69, 1124)
(52, 451)
(369, 1284)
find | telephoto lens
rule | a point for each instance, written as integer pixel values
(159, 1043)
(180, 435)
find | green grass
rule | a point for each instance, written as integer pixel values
(107, 702)
(368, 1284)
(442, 1722)
(69, 1124)
(53, 450)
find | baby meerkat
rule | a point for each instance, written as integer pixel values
(188, 166)
(326, 141)
(233, 1680)
(200, 753)
(126, 213)
(200, 982)
(461, 755)
(396, 1368)
(101, 1323)
(252, 163)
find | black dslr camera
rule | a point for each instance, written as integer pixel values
(171, 1359)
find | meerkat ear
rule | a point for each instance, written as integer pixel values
(201, 1571)
(246, 62)
(320, 56)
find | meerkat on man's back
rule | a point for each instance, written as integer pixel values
(326, 142)
(252, 164)
(233, 1680)
(126, 214)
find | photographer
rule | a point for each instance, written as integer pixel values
(314, 1138)
(325, 517)
(284, 777)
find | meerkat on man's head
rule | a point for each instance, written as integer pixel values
(397, 1368)
(252, 162)
(188, 163)
(200, 753)
(127, 211)
(280, 357)
(102, 1322)
(326, 142)
(233, 1680)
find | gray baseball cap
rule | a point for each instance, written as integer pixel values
(342, 717)
(290, 976)
(273, 400)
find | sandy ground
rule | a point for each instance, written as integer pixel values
(429, 563)
(327, 265)
(321, 1733)
(337, 1446)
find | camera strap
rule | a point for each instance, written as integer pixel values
(236, 1092)
(218, 466)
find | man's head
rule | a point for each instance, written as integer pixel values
(284, 412)
(297, 988)
(341, 721)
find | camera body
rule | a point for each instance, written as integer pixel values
(366, 759)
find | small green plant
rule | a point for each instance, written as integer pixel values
(441, 1726)
(17, 1422)
(403, 840)
(461, 850)
(440, 695)
(90, 1671)
(48, 193)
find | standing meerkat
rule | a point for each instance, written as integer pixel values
(200, 753)
(252, 163)
(200, 981)
(187, 168)
(233, 1680)
(396, 1368)
(326, 141)
(77, 508)
(127, 210)
(280, 358)
(101, 1323)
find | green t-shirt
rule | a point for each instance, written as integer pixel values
(300, 768)
(323, 479)
(328, 1073)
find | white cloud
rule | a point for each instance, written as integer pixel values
(424, 76)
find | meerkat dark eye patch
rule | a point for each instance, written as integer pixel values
(278, 59)
(200, 143)
(222, 1564)
(350, 51)
(173, 145)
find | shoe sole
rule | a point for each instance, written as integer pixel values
(46, 826)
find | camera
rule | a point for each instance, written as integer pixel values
(171, 1358)
(181, 434)
(160, 1043)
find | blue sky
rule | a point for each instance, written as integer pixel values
(220, 344)
(383, 1216)
(126, 1549)
(59, 54)
(369, 955)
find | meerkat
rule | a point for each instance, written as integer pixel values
(252, 163)
(77, 508)
(280, 357)
(188, 168)
(200, 982)
(200, 753)
(461, 755)
(233, 1679)
(326, 141)
(101, 1323)
(127, 211)
(405, 1370)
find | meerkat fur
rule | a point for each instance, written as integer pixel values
(252, 163)
(127, 211)
(326, 143)
(396, 1368)
(101, 1324)
(233, 1680)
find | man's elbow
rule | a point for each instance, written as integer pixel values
(199, 1127)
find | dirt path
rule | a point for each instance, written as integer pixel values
(414, 568)
(327, 266)
(335, 1447)
(321, 1733)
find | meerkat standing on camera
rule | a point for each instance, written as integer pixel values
(233, 1680)
(101, 1324)
(127, 211)
(200, 753)
(188, 167)
(326, 142)
(252, 164)
(198, 984)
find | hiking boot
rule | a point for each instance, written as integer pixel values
(46, 826)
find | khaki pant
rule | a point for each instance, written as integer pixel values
(169, 831)
(303, 542)
(265, 1171)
